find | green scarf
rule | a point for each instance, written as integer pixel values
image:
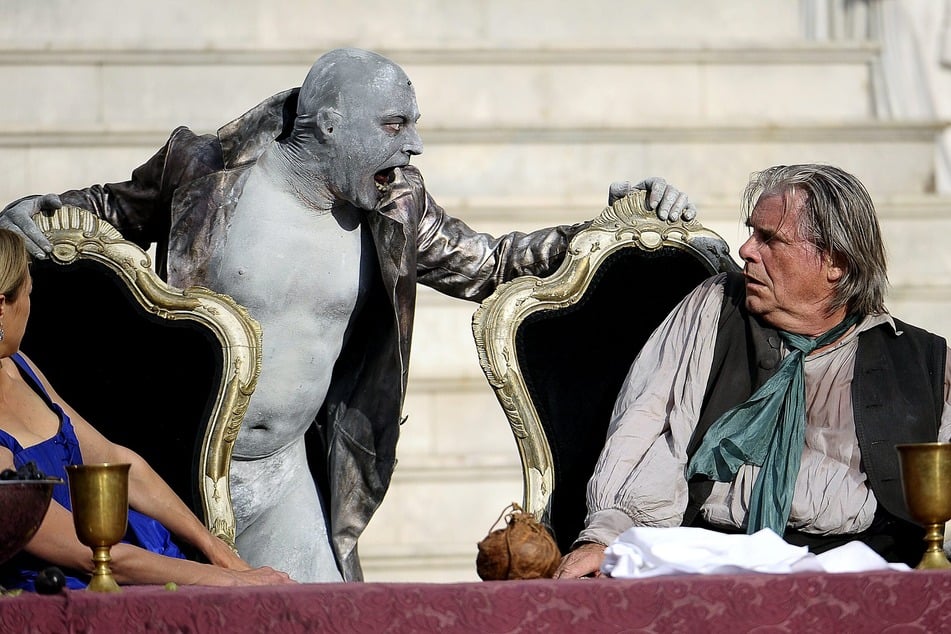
(767, 430)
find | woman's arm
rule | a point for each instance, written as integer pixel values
(55, 541)
(149, 494)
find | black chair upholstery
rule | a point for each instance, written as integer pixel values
(573, 384)
(166, 372)
(574, 337)
(145, 382)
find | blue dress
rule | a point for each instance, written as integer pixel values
(52, 456)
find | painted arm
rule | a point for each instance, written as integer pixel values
(461, 262)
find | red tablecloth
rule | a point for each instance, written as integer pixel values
(910, 601)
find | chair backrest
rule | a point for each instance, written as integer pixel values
(166, 372)
(556, 350)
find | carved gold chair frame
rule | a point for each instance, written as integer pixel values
(627, 224)
(78, 235)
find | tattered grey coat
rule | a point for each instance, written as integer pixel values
(183, 199)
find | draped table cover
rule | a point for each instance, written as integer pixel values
(866, 602)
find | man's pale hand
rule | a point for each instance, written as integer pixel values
(18, 217)
(666, 200)
(583, 561)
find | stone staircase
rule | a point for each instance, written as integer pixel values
(530, 109)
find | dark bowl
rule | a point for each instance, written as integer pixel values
(23, 504)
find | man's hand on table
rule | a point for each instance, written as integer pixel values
(583, 561)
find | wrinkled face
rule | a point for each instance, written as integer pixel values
(788, 281)
(16, 314)
(375, 132)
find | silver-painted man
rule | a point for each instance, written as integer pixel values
(307, 212)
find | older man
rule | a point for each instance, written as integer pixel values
(774, 398)
(307, 212)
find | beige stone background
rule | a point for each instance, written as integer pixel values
(530, 109)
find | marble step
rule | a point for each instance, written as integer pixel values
(574, 165)
(406, 563)
(577, 164)
(460, 89)
(316, 26)
(434, 513)
(443, 346)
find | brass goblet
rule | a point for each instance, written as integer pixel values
(926, 479)
(99, 495)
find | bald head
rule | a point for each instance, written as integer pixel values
(341, 78)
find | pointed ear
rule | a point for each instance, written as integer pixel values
(328, 120)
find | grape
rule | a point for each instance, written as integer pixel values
(50, 580)
(29, 471)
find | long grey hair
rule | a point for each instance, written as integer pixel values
(838, 217)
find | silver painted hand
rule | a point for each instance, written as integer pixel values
(666, 200)
(18, 217)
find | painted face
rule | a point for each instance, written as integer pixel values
(375, 132)
(788, 281)
(16, 314)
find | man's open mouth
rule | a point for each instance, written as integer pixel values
(383, 178)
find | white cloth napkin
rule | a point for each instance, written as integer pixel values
(648, 552)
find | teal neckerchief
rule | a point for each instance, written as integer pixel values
(767, 430)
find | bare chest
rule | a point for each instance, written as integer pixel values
(280, 255)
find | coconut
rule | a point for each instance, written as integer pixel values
(522, 549)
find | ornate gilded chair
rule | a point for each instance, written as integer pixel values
(556, 350)
(166, 372)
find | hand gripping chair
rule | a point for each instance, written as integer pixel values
(166, 372)
(556, 350)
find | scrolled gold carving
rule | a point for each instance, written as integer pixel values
(627, 223)
(78, 234)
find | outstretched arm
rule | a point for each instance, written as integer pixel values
(458, 261)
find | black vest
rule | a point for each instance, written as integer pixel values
(897, 389)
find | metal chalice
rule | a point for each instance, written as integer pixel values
(99, 495)
(926, 480)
